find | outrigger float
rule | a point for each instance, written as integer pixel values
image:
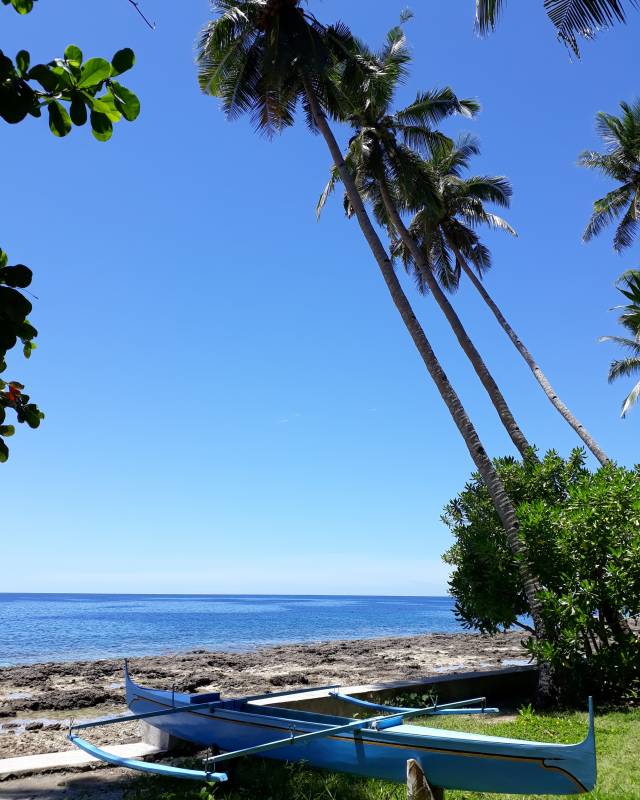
(375, 747)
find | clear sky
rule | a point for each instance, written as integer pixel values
(232, 403)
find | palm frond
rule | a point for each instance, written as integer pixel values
(446, 271)
(487, 14)
(573, 18)
(480, 258)
(627, 228)
(431, 107)
(488, 188)
(423, 140)
(334, 179)
(606, 210)
(612, 165)
(629, 344)
(630, 400)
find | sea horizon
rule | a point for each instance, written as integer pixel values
(77, 626)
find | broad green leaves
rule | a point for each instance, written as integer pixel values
(21, 6)
(14, 327)
(71, 89)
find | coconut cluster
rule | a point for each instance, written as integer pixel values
(272, 10)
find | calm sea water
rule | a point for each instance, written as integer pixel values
(68, 627)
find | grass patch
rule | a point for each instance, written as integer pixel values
(618, 745)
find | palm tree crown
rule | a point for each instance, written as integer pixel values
(621, 162)
(388, 147)
(447, 232)
(257, 55)
(629, 286)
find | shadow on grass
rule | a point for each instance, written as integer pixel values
(252, 778)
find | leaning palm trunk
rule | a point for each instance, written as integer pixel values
(497, 398)
(503, 505)
(539, 375)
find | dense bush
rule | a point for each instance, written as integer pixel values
(582, 530)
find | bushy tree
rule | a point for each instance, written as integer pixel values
(582, 531)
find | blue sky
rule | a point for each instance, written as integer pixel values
(232, 404)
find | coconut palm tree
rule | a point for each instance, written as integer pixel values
(621, 162)
(263, 57)
(571, 18)
(629, 286)
(449, 239)
(392, 175)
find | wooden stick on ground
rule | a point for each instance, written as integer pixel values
(418, 786)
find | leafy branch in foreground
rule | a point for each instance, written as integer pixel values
(14, 326)
(21, 6)
(88, 88)
(73, 91)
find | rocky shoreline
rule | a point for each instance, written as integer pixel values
(37, 700)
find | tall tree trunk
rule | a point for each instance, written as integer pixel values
(503, 505)
(497, 398)
(539, 375)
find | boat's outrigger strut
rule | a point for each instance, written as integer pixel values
(437, 709)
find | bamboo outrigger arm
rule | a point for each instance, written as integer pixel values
(437, 709)
(166, 770)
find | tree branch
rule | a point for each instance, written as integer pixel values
(136, 5)
(524, 627)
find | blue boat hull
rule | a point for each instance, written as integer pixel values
(450, 759)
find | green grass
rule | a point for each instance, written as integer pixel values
(618, 745)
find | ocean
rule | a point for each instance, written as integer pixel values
(71, 627)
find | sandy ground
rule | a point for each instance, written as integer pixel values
(37, 701)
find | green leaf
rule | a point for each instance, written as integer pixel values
(94, 71)
(101, 126)
(78, 111)
(23, 59)
(28, 348)
(4, 258)
(4, 452)
(17, 276)
(122, 61)
(59, 121)
(63, 70)
(126, 101)
(73, 54)
(32, 415)
(7, 430)
(13, 305)
(22, 6)
(106, 105)
(45, 77)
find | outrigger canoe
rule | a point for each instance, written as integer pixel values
(376, 747)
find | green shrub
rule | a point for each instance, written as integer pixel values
(582, 531)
